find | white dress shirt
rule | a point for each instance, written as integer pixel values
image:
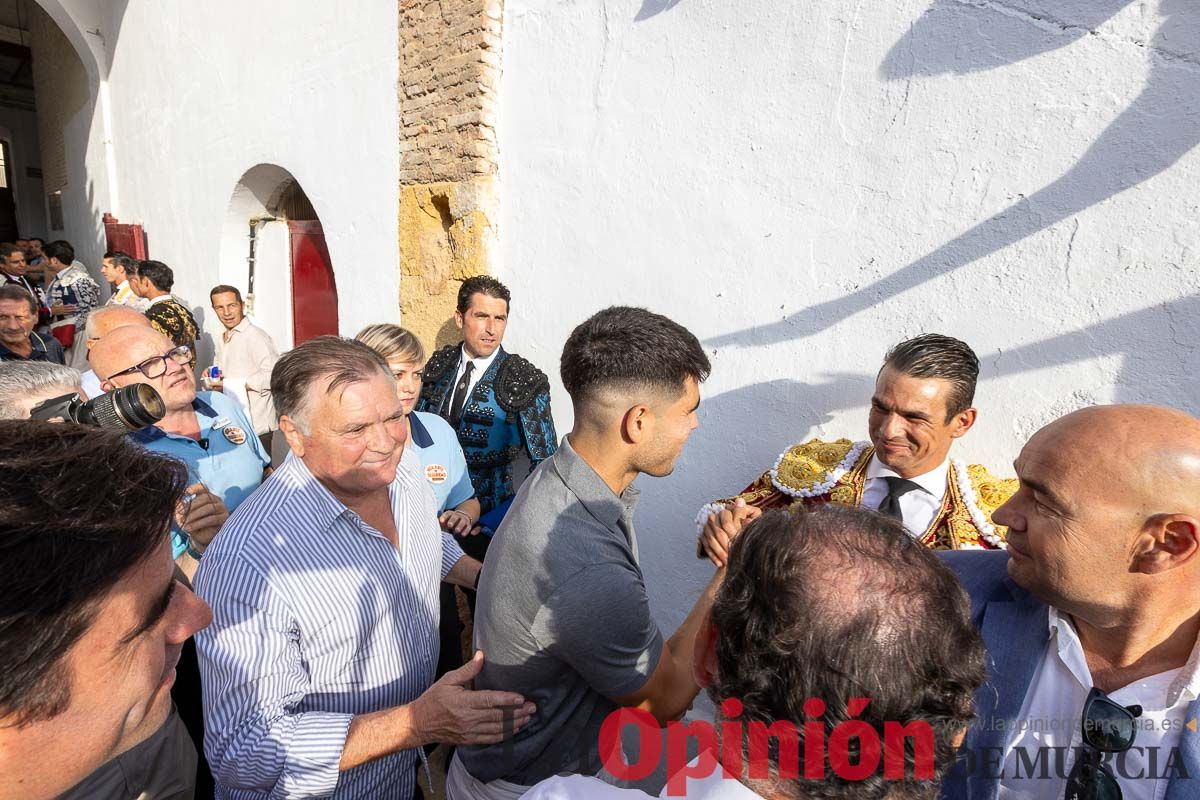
(124, 295)
(481, 366)
(578, 787)
(317, 617)
(246, 356)
(1052, 713)
(918, 507)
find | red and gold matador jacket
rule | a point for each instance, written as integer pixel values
(817, 472)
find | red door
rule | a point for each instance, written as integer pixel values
(129, 239)
(314, 292)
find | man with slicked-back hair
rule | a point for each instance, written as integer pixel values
(922, 403)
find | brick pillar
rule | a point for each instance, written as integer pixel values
(449, 79)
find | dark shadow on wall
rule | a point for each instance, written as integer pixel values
(446, 335)
(744, 430)
(652, 8)
(991, 34)
(1145, 340)
(1153, 133)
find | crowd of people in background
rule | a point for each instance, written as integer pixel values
(337, 514)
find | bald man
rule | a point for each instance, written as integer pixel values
(1091, 616)
(99, 324)
(206, 431)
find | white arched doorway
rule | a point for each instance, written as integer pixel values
(273, 249)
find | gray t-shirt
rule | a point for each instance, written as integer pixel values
(563, 619)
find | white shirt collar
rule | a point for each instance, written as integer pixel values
(239, 328)
(715, 787)
(933, 481)
(481, 364)
(1070, 649)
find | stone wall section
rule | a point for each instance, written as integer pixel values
(449, 82)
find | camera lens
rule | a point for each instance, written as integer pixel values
(128, 408)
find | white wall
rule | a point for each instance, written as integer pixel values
(804, 184)
(21, 131)
(200, 93)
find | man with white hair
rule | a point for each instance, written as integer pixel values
(324, 586)
(25, 384)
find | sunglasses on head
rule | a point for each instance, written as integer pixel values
(1108, 727)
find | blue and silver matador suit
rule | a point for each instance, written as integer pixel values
(507, 411)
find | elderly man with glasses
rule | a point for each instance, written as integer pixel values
(206, 431)
(225, 460)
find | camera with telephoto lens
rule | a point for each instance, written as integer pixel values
(129, 408)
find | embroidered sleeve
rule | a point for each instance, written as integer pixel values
(524, 390)
(537, 429)
(87, 294)
(437, 379)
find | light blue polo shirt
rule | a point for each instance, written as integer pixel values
(436, 444)
(228, 459)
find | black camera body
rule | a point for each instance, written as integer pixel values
(129, 408)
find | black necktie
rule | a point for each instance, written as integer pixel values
(897, 487)
(460, 393)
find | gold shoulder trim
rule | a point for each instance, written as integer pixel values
(812, 468)
(990, 492)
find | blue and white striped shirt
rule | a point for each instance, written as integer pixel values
(316, 618)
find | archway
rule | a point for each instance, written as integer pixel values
(273, 249)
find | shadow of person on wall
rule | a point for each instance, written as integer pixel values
(1146, 340)
(743, 431)
(652, 8)
(988, 38)
(1157, 129)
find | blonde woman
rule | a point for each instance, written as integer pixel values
(429, 435)
(437, 446)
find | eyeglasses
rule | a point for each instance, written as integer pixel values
(157, 367)
(1108, 727)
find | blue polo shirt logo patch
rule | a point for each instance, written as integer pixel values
(234, 434)
(436, 473)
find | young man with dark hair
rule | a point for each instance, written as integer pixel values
(71, 293)
(169, 317)
(18, 340)
(497, 402)
(34, 251)
(118, 269)
(563, 612)
(92, 619)
(922, 403)
(834, 604)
